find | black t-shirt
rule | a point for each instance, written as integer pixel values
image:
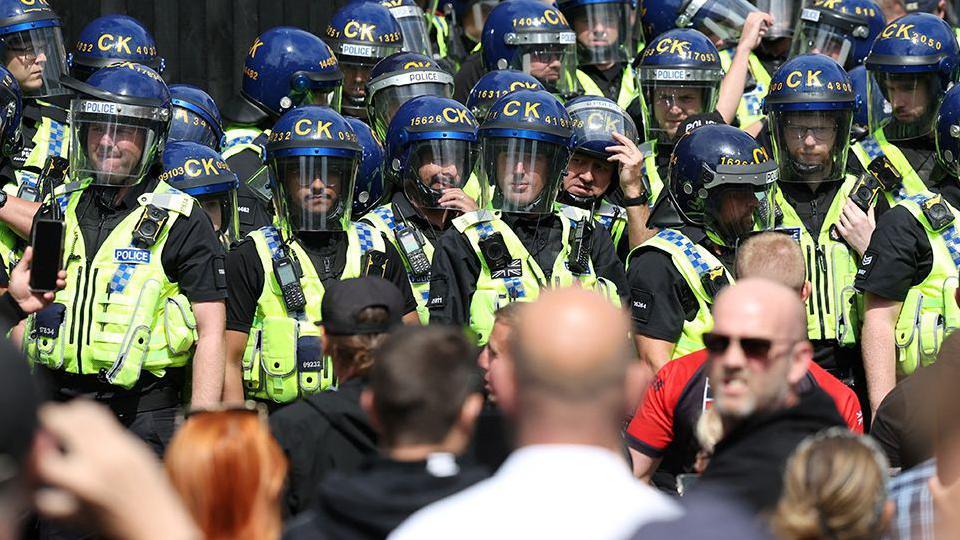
(471, 69)
(905, 422)
(328, 254)
(456, 266)
(899, 256)
(660, 298)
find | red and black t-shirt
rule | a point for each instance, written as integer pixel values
(665, 422)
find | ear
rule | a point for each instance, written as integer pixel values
(805, 291)
(366, 403)
(799, 361)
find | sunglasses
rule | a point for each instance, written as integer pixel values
(752, 347)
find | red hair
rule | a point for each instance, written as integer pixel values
(229, 472)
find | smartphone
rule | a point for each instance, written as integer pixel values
(47, 242)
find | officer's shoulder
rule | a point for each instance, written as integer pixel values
(898, 218)
(245, 244)
(648, 254)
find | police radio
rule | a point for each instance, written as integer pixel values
(149, 227)
(53, 173)
(288, 277)
(411, 244)
(579, 259)
(495, 252)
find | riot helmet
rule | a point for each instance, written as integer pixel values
(603, 30)
(202, 173)
(111, 39)
(369, 190)
(496, 84)
(841, 29)
(32, 44)
(399, 78)
(413, 25)
(196, 117)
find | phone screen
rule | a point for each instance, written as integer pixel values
(47, 253)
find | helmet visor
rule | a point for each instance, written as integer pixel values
(385, 100)
(413, 27)
(822, 38)
(436, 166)
(785, 14)
(189, 126)
(553, 64)
(111, 144)
(315, 191)
(721, 19)
(667, 104)
(594, 124)
(524, 174)
(222, 210)
(356, 74)
(811, 146)
(604, 35)
(733, 211)
(913, 99)
(37, 59)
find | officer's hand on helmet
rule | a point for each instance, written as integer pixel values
(856, 226)
(456, 199)
(29, 301)
(630, 160)
(754, 28)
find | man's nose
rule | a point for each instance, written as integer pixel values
(41, 57)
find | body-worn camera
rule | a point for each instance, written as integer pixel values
(579, 259)
(495, 252)
(937, 213)
(150, 225)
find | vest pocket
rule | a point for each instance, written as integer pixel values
(278, 358)
(312, 366)
(44, 336)
(906, 333)
(482, 308)
(179, 324)
(250, 364)
(121, 329)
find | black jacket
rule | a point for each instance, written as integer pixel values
(320, 434)
(372, 502)
(748, 463)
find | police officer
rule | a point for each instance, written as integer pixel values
(861, 121)
(604, 48)
(111, 39)
(604, 177)
(413, 26)
(201, 172)
(196, 117)
(720, 189)
(369, 190)
(909, 272)
(11, 113)
(242, 123)
(913, 61)
(145, 284)
(361, 34)
(285, 67)
(493, 86)
(431, 151)
(841, 29)
(278, 273)
(679, 75)
(399, 78)
(546, 50)
(810, 108)
(525, 244)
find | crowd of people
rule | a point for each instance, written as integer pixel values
(488, 268)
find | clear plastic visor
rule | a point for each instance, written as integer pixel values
(113, 149)
(316, 192)
(913, 99)
(722, 19)
(356, 74)
(822, 38)
(553, 64)
(604, 33)
(37, 59)
(386, 102)
(222, 210)
(785, 15)
(524, 174)
(811, 146)
(413, 26)
(437, 166)
(668, 105)
(189, 126)
(735, 210)
(320, 94)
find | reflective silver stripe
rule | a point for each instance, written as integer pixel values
(410, 77)
(406, 11)
(540, 38)
(368, 51)
(656, 74)
(595, 104)
(89, 106)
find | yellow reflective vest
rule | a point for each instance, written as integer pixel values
(628, 87)
(875, 146)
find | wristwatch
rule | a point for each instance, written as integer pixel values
(636, 201)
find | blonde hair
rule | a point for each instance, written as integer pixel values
(834, 487)
(772, 255)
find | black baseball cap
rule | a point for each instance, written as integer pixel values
(344, 300)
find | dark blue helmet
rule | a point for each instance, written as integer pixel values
(810, 103)
(196, 117)
(603, 29)
(30, 30)
(399, 78)
(124, 102)
(915, 56)
(288, 67)
(841, 29)
(111, 39)
(722, 18)
(722, 180)
(594, 121)
(496, 84)
(947, 133)
(431, 147)
(201, 172)
(413, 25)
(314, 155)
(369, 190)
(11, 113)
(525, 140)
(859, 78)
(535, 38)
(361, 34)
(679, 74)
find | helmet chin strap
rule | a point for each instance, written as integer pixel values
(805, 169)
(573, 200)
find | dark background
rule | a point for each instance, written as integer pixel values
(203, 41)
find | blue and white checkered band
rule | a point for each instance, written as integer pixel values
(386, 214)
(274, 244)
(245, 139)
(685, 245)
(606, 222)
(949, 234)
(365, 236)
(514, 285)
(872, 148)
(121, 278)
(58, 133)
(754, 100)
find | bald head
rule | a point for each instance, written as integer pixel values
(773, 256)
(572, 343)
